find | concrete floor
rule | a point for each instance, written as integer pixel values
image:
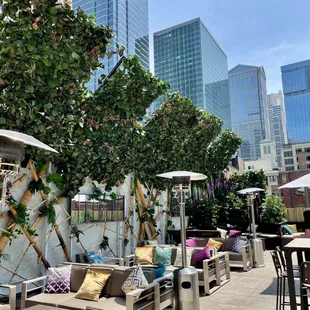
(255, 289)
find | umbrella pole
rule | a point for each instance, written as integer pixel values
(307, 197)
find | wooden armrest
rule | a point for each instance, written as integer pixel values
(35, 280)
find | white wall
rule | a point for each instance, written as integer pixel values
(31, 267)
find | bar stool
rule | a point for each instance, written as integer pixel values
(304, 284)
(281, 280)
(283, 261)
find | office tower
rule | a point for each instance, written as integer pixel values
(277, 122)
(190, 59)
(249, 108)
(129, 20)
(296, 89)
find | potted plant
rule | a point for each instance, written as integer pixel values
(273, 214)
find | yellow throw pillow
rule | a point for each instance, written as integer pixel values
(214, 244)
(92, 285)
(293, 228)
(144, 255)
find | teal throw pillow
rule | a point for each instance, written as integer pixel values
(160, 271)
(287, 230)
(163, 256)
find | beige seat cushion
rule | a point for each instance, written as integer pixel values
(233, 256)
(75, 303)
(119, 303)
(48, 299)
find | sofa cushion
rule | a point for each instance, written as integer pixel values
(191, 243)
(173, 254)
(214, 244)
(163, 256)
(78, 273)
(80, 304)
(80, 258)
(58, 280)
(135, 280)
(178, 260)
(202, 242)
(94, 257)
(233, 256)
(93, 285)
(228, 244)
(144, 255)
(238, 244)
(203, 254)
(119, 303)
(48, 299)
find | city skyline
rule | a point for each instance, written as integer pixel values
(256, 37)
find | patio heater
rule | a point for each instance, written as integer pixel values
(187, 277)
(12, 153)
(256, 243)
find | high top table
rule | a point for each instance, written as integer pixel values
(298, 245)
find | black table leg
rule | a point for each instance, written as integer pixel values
(290, 279)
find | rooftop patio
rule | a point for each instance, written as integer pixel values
(256, 289)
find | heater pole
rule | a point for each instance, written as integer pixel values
(253, 216)
(183, 227)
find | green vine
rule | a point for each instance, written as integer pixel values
(21, 220)
(49, 212)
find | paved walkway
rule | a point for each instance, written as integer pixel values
(255, 289)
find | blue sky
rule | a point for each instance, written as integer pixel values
(271, 33)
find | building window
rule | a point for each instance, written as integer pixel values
(288, 154)
(289, 161)
(298, 150)
(307, 149)
(265, 150)
(273, 178)
(269, 149)
(85, 209)
(289, 168)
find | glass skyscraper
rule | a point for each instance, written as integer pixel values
(190, 59)
(249, 108)
(277, 121)
(129, 20)
(296, 89)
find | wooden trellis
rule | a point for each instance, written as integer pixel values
(146, 229)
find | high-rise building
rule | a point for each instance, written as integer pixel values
(277, 122)
(296, 89)
(249, 108)
(192, 61)
(129, 20)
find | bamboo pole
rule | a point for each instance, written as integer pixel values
(144, 205)
(4, 214)
(168, 212)
(31, 240)
(24, 200)
(57, 230)
(141, 227)
(13, 272)
(20, 179)
(127, 221)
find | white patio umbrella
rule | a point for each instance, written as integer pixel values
(181, 181)
(26, 139)
(302, 182)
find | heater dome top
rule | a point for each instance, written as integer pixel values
(193, 175)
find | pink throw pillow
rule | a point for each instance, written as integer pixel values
(203, 254)
(191, 243)
(234, 233)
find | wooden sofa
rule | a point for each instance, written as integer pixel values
(243, 259)
(213, 274)
(11, 305)
(155, 296)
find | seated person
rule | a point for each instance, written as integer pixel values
(307, 230)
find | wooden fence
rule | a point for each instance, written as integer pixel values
(295, 214)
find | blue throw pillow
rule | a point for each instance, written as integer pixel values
(160, 271)
(94, 257)
(287, 230)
